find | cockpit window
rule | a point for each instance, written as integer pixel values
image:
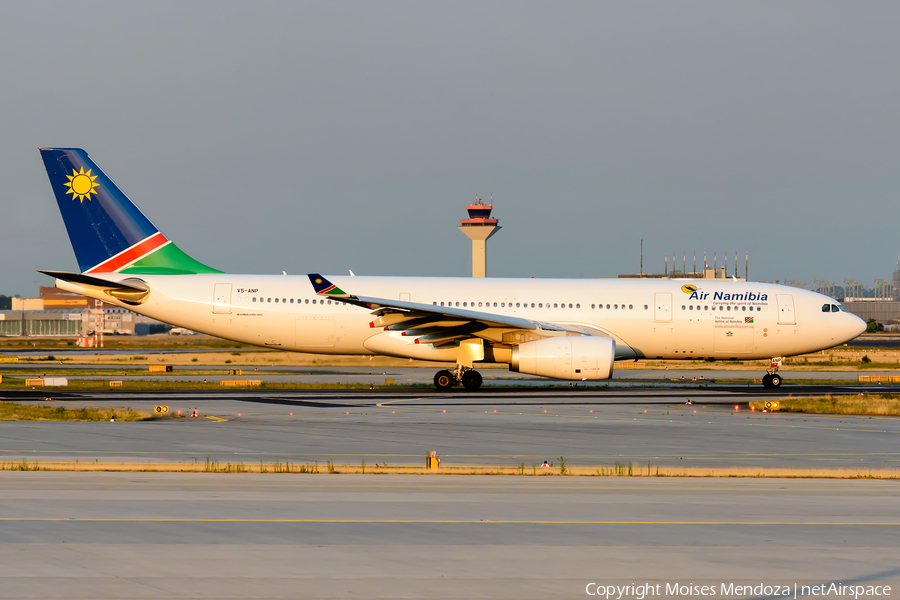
(834, 308)
(826, 308)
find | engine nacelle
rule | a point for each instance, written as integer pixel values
(590, 358)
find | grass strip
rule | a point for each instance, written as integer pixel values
(617, 470)
(866, 404)
(12, 411)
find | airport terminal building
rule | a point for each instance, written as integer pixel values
(57, 313)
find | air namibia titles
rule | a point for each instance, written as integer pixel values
(698, 295)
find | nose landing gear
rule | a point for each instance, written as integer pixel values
(469, 378)
(772, 379)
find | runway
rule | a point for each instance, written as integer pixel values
(113, 535)
(587, 427)
(687, 374)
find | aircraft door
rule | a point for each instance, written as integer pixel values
(222, 303)
(662, 311)
(785, 309)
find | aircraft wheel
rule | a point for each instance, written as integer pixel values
(443, 380)
(775, 380)
(471, 380)
(767, 380)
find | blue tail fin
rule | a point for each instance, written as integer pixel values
(108, 232)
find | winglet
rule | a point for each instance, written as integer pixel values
(323, 287)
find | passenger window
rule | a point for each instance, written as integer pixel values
(692, 307)
(576, 306)
(570, 306)
(607, 306)
(314, 301)
(646, 307)
(721, 308)
(457, 303)
(729, 307)
(630, 307)
(479, 305)
(834, 308)
(329, 302)
(254, 298)
(705, 308)
(307, 301)
(540, 305)
(826, 308)
(283, 300)
(495, 305)
(268, 299)
(743, 308)
(532, 305)
(682, 307)
(593, 306)
(617, 306)
(464, 304)
(517, 305)
(554, 305)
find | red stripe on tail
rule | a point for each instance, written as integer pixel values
(127, 257)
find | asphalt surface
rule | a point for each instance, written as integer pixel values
(623, 377)
(117, 535)
(596, 427)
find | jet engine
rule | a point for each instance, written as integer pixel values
(579, 358)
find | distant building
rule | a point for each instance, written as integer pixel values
(45, 323)
(58, 313)
(706, 273)
(883, 311)
(54, 297)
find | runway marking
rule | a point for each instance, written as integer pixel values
(439, 521)
(216, 419)
(381, 404)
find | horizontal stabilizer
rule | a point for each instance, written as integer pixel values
(88, 280)
(130, 291)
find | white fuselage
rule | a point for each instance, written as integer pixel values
(647, 318)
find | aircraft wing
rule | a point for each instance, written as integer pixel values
(434, 324)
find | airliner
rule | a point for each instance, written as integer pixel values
(556, 328)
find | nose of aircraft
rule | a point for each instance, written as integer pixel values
(857, 326)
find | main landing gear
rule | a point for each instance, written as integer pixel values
(469, 378)
(772, 379)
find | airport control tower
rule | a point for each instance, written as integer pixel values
(479, 227)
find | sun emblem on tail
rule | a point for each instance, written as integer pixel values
(81, 185)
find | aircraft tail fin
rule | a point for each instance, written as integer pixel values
(109, 234)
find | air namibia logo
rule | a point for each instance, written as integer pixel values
(689, 289)
(81, 185)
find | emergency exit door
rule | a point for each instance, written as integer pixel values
(222, 302)
(662, 309)
(785, 309)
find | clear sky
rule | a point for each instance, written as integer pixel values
(326, 136)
